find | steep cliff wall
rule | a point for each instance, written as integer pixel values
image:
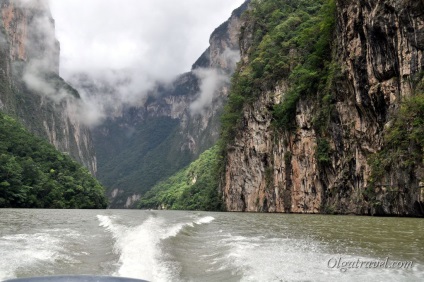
(319, 161)
(31, 88)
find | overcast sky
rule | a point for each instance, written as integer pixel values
(158, 38)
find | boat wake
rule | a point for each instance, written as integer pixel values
(24, 253)
(139, 247)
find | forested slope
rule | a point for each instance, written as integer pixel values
(33, 174)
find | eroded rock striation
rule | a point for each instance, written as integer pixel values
(31, 88)
(377, 48)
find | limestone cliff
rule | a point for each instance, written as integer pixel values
(377, 53)
(31, 88)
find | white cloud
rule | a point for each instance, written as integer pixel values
(133, 45)
(31, 3)
(232, 57)
(211, 81)
(158, 38)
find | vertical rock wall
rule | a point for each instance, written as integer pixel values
(31, 88)
(378, 47)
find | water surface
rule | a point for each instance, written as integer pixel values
(200, 246)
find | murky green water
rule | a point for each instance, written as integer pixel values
(200, 246)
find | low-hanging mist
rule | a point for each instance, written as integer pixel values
(210, 81)
(130, 48)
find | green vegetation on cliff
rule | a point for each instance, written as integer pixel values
(193, 188)
(291, 41)
(33, 174)
(403, 149)
(137, 157)
(286, 40)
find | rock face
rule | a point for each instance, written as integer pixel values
(31, 88)
(379, 48)
(139, 145)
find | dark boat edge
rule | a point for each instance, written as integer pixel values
(75, 278)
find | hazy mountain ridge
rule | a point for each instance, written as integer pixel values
(184, 114)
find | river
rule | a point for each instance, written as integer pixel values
(201, 246)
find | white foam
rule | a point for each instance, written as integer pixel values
(267, 259)
(139, 247)
(106, 222)
(281, 259)
(23, 251)
(175, 229)
(206, 219)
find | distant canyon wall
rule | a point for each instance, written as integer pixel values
(148, 141)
